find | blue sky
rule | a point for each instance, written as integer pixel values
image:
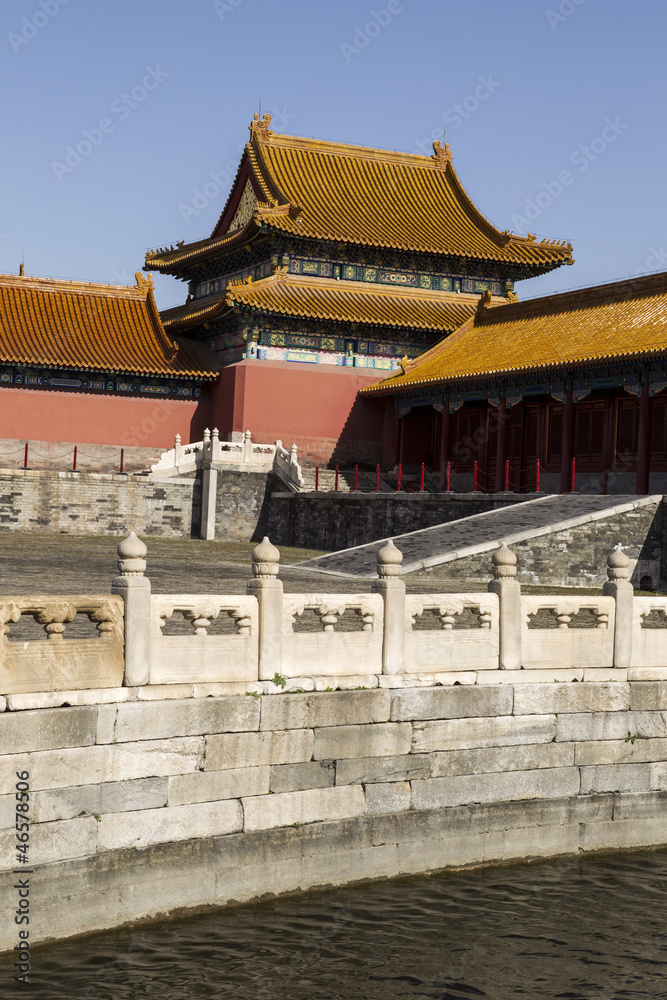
(562, 129)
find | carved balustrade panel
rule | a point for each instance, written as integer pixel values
(332, 634)
(203, 638)
(649, 638)
(451, 632)
(61, 643)
(567, 631)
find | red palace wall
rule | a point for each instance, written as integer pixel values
(43, 415)
(313, 406)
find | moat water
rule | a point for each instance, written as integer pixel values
(583, 928)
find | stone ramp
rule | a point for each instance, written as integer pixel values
(468, 536)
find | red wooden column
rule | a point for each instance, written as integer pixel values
(390, 434)
(567, 444)
(501, 444)
(608, 444)
(644, 442)
(445, 446)
(401, 435)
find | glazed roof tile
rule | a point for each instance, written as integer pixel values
(370, 197)
(355, 302)
(339, 301)
(624, 319)
(112, 328)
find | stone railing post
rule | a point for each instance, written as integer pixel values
(268, 590)
(247, 447)
(178, 451)
(209, 494)
(206, 446)
(294, 467)
(392, 588)
(215, 445)
(619, 587)
(508, 589)
(135, 589)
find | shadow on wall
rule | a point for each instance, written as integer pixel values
(262, 525)
(360, 440)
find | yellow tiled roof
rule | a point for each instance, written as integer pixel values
(339, 301)
(372, 197)
(355, 302)
(620, 320)
(378, 198)
(97, 327)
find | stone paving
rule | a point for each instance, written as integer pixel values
(35, 564)
(471, 534)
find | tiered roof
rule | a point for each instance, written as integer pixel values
(357, 195)
(84, 326)
(623, 320)
(343, 301)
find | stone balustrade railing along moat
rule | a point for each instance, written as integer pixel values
(268, 641)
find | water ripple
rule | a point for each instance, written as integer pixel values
(592, 928)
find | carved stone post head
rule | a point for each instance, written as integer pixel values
(503, 563)
(265, 560)
(131, 556)
(618, 564)
(389, 561)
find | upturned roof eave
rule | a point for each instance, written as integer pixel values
(386, 388)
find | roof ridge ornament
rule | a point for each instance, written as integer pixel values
(442, 155)
(484, 302)
(144, 282)
(259, 127)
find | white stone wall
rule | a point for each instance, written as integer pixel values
(142, 806)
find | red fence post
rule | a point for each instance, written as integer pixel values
(377, 479)
(356, 478)
(122, 461)
(317, 478)
(74, 462)
(336, 484)
(475, 477)
(398, 484)
(507, 475)
(25, 456)
(574, 469)
(537, 477)
(421, 487)
(448, 477)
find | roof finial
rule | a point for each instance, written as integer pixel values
(144, 282)
(260, 127)
(442, 155)
(21, 270)
(484, 301)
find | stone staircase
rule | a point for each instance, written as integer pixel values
(455, 540)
